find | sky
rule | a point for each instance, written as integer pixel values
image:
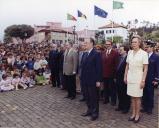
(39, 12)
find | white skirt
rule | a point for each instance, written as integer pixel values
(134, 90)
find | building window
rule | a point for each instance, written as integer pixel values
(109, 31)
(113, 31)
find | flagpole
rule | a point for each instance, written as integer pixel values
(112, 24)
(67, 28)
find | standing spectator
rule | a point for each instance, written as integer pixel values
(135, 75)
(123, 98)
(69, 70)
(80, 61)
(110, 61)
(54, 66)
(61, 54)
(91, 76)
(152, 75)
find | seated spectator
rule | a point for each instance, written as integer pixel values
(6, 84)
(30, 64)
(16, 82)
(47, 75)
(18, 62)
(37, 65)
(25, 80)
(40, 79)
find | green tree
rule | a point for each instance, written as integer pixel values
(22, 31)
(116, 39)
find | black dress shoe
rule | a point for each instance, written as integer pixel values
(149, 112)
(86, 114)
(93, 118)
(137, 121)
(117, 109)
(81, 100)
(143, 110)
(113, 104)
(72, 98)
(105, 102)
(131, 119)
(67, 97)
(125, 111)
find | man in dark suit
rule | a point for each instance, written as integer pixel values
(110, 62)
(91, 76)
(151, 79)
(123, 98)
(54, 66)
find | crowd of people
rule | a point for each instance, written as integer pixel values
(23, 66)
(122, 76)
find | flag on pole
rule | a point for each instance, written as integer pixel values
(117, 5)
(70, 17)
(100, 12)
(80, 14)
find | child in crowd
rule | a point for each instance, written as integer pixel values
(2, 72)
(16, 82)
(47, 75)
(18, 62)
(37, 65)
(25, 80)
(40, 79)
(30, 64)
(6, 84)
(43, 62)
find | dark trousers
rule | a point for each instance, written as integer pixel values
(110, 91)
(148, 97)
(62, 80)
(70, 82)
(55, 78)
(124, 99)
(82, 89)
(92, 99)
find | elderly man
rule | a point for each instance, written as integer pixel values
(91, 76)
(54, 63)
(70, 69)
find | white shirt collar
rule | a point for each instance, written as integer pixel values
(150, 54)
(90, 51)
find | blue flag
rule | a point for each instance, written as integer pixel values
(80, 14)
(100, 12)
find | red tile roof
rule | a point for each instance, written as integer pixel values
(114, 25)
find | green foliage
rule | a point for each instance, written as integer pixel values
(22, 31)
(7, 39)
(116, 39)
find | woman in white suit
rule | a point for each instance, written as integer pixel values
(135, 75)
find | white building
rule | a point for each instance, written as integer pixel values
(85, 34)
(114, 29)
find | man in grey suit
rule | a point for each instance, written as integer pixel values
(69, 70)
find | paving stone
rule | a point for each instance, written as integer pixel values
(45, 107)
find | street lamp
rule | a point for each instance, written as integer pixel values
(74, 28)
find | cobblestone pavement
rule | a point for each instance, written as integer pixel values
(45, 107)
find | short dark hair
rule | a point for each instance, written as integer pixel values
(4, 76)
(126, 48)
(92, 41)
(109, 41)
